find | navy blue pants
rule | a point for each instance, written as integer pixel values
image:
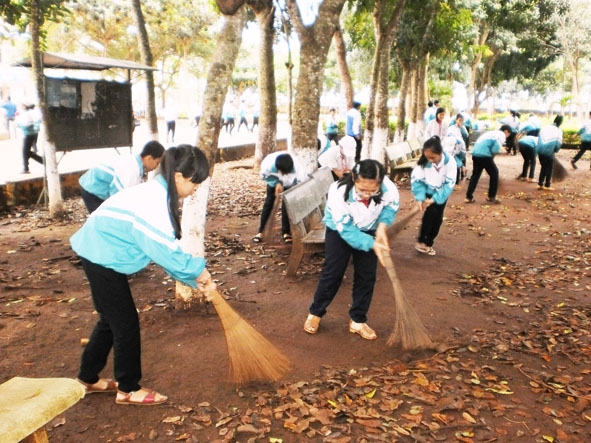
(336, 258)
(546, 165)
(268, 207)
(529, 161)
(432, 220)
(487, 164)
(118, 328)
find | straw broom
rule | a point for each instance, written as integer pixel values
(408, 331)
(252, 356)
(559, 172)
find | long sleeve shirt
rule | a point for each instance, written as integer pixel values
(111, 177)
(133, 228)
(272, 176)
(549, 140)
(489, 144)
(435, 180)
(352, 218)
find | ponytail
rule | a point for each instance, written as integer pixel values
(192, 164)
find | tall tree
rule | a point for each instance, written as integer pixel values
(147, 59)
(314, 45)
(218, 79)
(344, 74)
(267, 136)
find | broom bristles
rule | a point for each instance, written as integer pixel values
(559, 172)
(409, 332)
(252, 356)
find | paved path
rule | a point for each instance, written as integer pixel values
(11, 157)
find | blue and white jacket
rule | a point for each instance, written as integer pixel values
(585, 131)
(111, 177)
(436, 180)
(352, 219)
(272, 176)
(549, 140)
(489, 144)
(530, 141)
(133, 228)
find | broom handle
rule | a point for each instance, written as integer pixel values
(269, 225)
(397, 227)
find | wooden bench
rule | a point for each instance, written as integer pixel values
(28, 404)
(305, 208)
(403, 156)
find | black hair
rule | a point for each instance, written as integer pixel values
(356, 105)
(153, 148)
(284, 163)
(439, 111)
(435, 102)
(430, 103)
(505, 128)
(558, 120)
(460, 116)
(192, 163)
(432, 144)
(332, 109)
(369, 169)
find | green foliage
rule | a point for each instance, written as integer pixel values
(17, 12)
(570, 137)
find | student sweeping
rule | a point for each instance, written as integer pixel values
(102, 181)
(549, 143)
(280, 171)
(136, 226)
(359, 208)
(432, 182)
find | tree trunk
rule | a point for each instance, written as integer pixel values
(267, 136)
(147, 59)
(218, 80)
(386, 19)
(52, 185)
(344, 74)
(315, 42)
(404, 94)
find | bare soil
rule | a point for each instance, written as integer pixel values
(506, 298)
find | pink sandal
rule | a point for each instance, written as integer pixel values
(150, 398)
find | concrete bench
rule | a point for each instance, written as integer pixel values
(305, 208)
(28, 404)
(402, 156)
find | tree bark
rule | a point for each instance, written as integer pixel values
(53, 189)
(218, 80)
(404, 93)
(344, 74)
(267, 136)
(147, 59)
(314, 44)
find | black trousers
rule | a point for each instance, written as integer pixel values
(336, 258)
(91, 201)
(432, 221)
(585, 146)
(118, 327)
(529, 161)
(546, 164)
(268, 207)
(487, 164)
(28, 142)
(170, 127)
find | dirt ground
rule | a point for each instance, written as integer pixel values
(507, 296)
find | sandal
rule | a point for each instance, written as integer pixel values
(150, 398)
(257, 238)
(312, 324)
(424, 249)
(469, 200)
(287, 238)
(105, 385)
(362, 329)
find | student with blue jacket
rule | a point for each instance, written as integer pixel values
(483, 159)
(585, 133)
(359, 208)
(99, 183)
(549, 143)
(134, 227)
(432, 182)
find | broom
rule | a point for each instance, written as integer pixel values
(270, 224)
(559, 172)
(408, 331)
(252, 356)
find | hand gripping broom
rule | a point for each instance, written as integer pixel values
(252, 356)
(409, 332)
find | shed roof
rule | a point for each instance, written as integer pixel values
(82, 61)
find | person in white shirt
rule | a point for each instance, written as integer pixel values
(339, 158)
(437, 126)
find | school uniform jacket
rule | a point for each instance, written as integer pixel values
(272, 176)
(351, 218)
(489, 144)
(335, 158)
(436, 180)
(530, 141)
(585, 131)
(111, 177)
(549, 140)
(133, 228)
